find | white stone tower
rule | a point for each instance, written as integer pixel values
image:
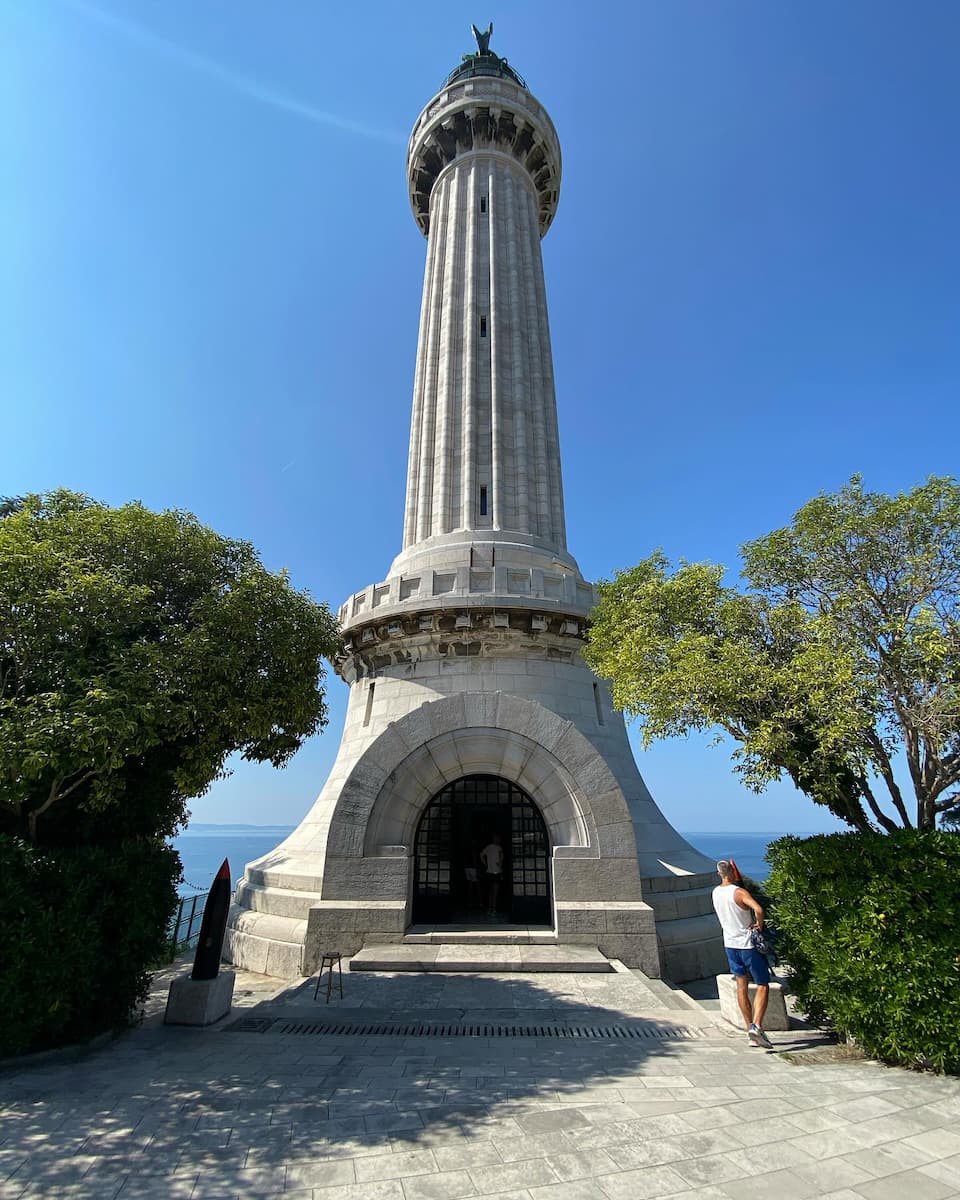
(471, 712)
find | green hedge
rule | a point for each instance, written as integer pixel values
(870, 925)
(78, 931)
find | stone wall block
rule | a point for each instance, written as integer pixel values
(619, 880)
(394, 821)
(349, 927)
(693, 903)
(637, 918)
(569, 830)
(345, 840)
(481, 710)
(360, 790)
(278, 902)
(265, 926)
(284, 961)
(363, 878)
(446, 756)
(573, 919)
(583, 761)
(328, 917)
(539, 775)
(417, 727)
(387, 751)
(287, 880)
(609, 807)
(516, 755)
(346, 942)
(678, 883)
(447, 715)
(576, 879)
(246, 951)
(633, 950)
(424, 770)
(542, 726)
(665, 906)
(481, 753)
(618, 841)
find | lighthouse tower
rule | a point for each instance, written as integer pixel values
(472, 719)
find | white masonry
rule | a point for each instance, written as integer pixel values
(467, 685)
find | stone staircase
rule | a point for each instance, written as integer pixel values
(491, 957)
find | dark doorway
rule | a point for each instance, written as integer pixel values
(450, 883)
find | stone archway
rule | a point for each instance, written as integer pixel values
(508, 753)
(369, 836)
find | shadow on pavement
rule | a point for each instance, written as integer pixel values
(165, 1099)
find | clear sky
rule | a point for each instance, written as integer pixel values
(210, 281)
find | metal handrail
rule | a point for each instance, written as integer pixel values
(484, 64)
(184, 929)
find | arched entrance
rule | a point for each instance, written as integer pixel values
(456, 825)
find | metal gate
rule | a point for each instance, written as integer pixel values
(455, 826)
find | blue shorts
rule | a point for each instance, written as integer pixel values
(752, 962)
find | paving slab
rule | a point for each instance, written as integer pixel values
(171, 1111)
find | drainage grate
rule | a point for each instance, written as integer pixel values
(648, 1032)
(249, 1025)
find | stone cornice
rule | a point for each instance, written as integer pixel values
(457, 632)
(477, 115)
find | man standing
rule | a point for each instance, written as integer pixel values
(492, 858)
(739, 913)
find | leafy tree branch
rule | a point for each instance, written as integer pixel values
(837, 659)
(139, 646)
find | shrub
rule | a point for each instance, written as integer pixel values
(77, 928)
(868, 923)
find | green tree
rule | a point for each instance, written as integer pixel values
(838, 662)
(137, 651)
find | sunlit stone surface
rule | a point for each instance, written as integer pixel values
(465, 660)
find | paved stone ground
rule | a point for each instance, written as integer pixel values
(177, 1112)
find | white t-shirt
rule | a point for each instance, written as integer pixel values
(492, 858)
(735, 920)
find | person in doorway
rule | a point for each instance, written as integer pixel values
(491, 856)
(738, 913)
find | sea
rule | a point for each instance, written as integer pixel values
(203, 848)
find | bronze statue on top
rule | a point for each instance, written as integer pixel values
(484, 61)
(483, 39)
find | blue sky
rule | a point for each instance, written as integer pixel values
(210, 281)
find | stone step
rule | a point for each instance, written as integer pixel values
(276, 901)
(670, 996)
(466, 935)
(500, 957)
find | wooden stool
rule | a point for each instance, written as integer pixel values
(328, 960)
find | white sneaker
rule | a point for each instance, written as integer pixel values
(759, 1038)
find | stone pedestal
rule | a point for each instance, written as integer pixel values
(199, 1001)
(776, 1019)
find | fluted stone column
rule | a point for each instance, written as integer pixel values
(466, 659)
(484, 445)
